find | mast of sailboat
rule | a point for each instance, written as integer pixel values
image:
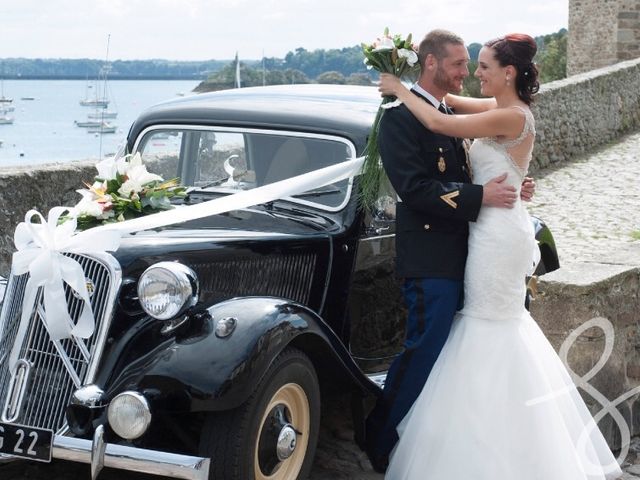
(264, 73)
(104, 94)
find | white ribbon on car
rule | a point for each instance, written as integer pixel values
(40, 247)
(39, 252)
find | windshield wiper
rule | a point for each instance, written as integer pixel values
(328, 190)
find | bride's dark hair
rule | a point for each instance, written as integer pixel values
(518, 49)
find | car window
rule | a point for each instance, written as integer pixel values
(233, 160)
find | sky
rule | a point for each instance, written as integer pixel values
(216, 29)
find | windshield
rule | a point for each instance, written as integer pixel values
(229, 160)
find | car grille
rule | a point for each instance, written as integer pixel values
(279, 275)
(48, 372)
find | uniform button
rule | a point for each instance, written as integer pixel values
(427, 226)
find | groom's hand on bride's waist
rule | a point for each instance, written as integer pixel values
(497, 193)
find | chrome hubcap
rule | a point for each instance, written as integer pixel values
(286, 442)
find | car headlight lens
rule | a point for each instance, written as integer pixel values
(166, 289)
(129, 415)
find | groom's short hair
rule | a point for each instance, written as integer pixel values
(435, 43)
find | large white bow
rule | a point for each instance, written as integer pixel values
(39, 247)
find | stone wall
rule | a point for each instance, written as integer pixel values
(579, 113)
(601, 33)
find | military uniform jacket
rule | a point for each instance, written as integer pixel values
(430, 174)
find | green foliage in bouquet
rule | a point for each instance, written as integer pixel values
(388, 54)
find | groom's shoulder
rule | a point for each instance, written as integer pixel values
(399, 115)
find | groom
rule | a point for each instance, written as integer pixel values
(432, 177)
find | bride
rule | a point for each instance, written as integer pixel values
(498, 404)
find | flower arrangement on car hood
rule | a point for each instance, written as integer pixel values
(124, 189)
(388, 54)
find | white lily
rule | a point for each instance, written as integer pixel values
(410, 55)
(137, 178)
(386, 43)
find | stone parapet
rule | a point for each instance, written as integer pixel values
(577, 114)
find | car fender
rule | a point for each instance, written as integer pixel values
(198, 371)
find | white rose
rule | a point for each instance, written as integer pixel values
(410, 55)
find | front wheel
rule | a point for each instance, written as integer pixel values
(274, 434)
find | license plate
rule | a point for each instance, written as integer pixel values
(26, 442)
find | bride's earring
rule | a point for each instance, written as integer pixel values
(508, 81)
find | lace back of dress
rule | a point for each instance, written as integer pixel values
(519, 149)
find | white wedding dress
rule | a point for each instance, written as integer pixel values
(499, 404)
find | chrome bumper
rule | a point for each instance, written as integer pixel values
(99, 454)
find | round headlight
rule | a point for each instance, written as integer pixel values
(166, 289)
(129, 415)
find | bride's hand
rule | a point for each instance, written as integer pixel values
(389, 85)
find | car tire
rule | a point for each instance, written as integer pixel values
(275, 432)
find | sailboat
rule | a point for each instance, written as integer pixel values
(96, 122)
(103, 127)
(96, 101)
(99, 101)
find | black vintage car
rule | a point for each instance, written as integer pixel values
(214, 336)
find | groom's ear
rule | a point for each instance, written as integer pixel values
(431, 61)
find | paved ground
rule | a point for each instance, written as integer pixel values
(593, 209)
(592, 206)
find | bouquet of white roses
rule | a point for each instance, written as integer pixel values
(388, 54)
(124, 189)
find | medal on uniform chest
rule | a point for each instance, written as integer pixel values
(442, 166)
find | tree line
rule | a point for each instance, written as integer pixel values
(337, 66)
(345, 66)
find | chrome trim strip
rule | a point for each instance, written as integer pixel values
(115, 273)
(98, 449)
(16, 391)
(377, 237)
(3, 288)
(133, 459)
(266, 131)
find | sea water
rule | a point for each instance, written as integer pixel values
(44, 131)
